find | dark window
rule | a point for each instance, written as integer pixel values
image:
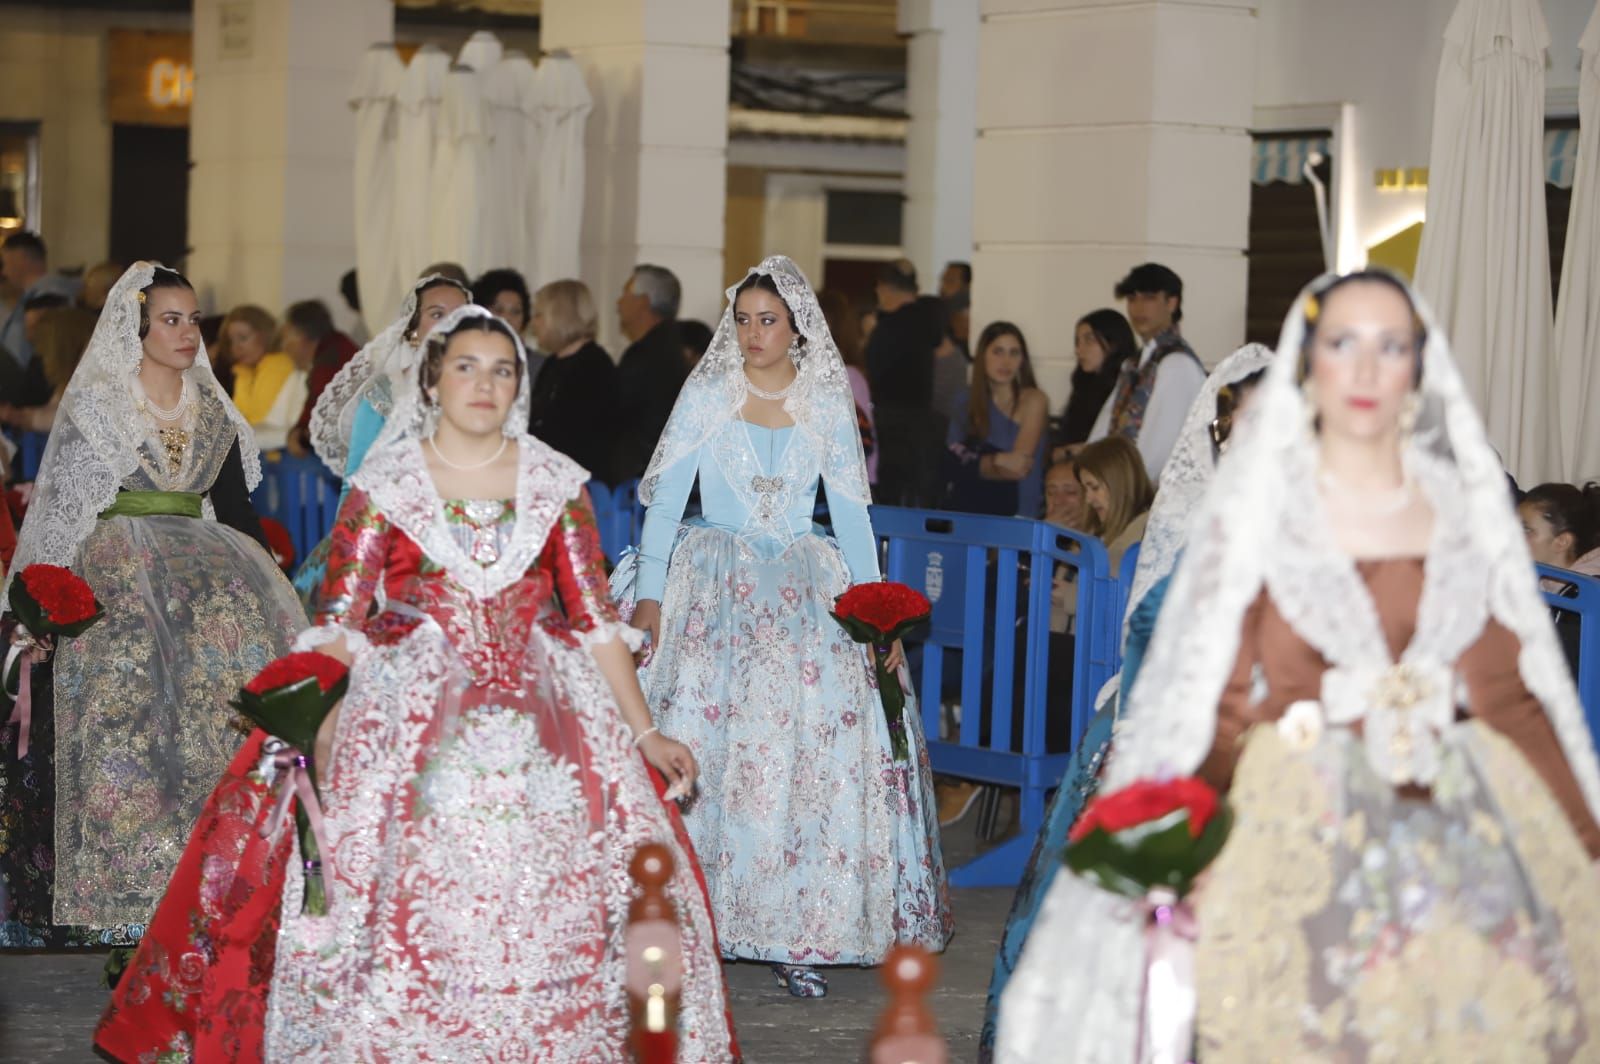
(856, 217)
(1285, 238)
(1558, 207)
(149, 193)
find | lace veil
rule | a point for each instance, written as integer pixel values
(820, 402)
(1263, 524)
(100, 438)
(395, 476)
(371, 374)
(1187, 475)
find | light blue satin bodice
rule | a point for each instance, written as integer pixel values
(722, 508)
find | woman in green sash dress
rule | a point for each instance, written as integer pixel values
(144, 491)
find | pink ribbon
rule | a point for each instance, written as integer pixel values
(33, 650)
(296, 783)
(1166, 1024)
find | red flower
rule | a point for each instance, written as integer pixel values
(293, 668)
(1149, 800)
(278, 539)
(883, 605)
(63, 595)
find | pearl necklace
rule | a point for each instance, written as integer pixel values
(144, 402)
(477, 465)
(762, 393)
(1380, 504)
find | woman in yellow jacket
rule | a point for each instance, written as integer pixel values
(268, 388)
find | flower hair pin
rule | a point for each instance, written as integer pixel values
(1313, 308)
(139, 295)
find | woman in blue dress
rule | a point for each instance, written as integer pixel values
(1184, 480)
(999, 428)
(352, 409)
(819, 847)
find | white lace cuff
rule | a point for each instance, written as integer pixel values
(320, 635)
(632, 637)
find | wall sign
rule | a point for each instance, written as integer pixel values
(149, 77)
(238, 25)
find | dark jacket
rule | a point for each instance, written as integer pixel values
(900, 355)
(649, 377)
(573, 407)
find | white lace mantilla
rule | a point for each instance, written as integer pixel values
(1186, 476)
(102, 441)
(820, 402)
(387, 362)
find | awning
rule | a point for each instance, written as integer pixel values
(1560, 156)
(1284, 158)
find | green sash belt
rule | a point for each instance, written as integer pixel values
(153, 504)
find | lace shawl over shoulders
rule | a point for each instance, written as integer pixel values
(396, 479)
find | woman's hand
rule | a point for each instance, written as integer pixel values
(647, 618)
(673, 760)
(896, 658)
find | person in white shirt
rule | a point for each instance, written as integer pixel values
(1155, 391)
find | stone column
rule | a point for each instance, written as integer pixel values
(941, 140)
(272, 138)
(656, 164)
(1111, 133)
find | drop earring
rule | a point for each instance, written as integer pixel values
(1410, 410)
(794, 350)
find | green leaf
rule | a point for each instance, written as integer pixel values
(292, 713)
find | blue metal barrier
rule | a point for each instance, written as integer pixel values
(628, 513)
(302, 494)
(31, 447)
(951, 557)
(617, 514)
(1583, 600)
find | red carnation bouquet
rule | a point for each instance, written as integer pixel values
(877, 614)
(50, 602)
(1149, 841)
(1148, 835)
(289, 699)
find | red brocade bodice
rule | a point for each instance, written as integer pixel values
(564, 592)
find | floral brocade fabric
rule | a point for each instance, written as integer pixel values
(482, 807)
(1452, 929)
(818, 846)
(131, 723)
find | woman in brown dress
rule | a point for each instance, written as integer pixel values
(1354, 649)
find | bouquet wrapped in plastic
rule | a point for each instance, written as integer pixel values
(289, 699)
(50, 603)
(1150, 841)
(878, 614)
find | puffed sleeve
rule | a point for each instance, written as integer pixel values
(661, 526)
(357, 549)
(577, 566)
